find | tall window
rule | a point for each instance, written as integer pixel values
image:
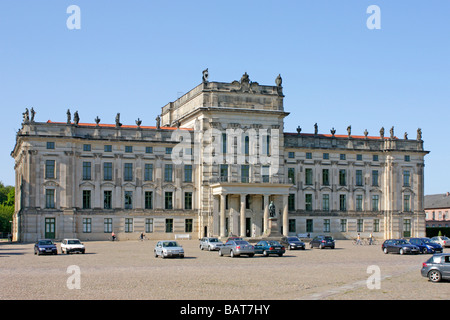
(375, 178)
(188, 173)
(86, 170)
(342, 177)
(49, 169)
(309, 225)
(265, 173)
(224, 143)
(376, 225)
(86, 199)
(406, 203)
(343, 225)
(188, 200)
(326, 202)
(359, 178)
(168, 173)
(169, 225)
(308, 202)
(168, 200)
(308, 176)
(406, 178)
(188, 225)
(246, 145)
(149, 225)
(326, 177)
(359, 202)
(128, 200)
(223, 172)
(360, 225)
(326, 225)
(245, 173)
(375, 202)
(291, 175)
(87, 225)
(107, 199)
(128, 172)
(50, 198)
(291, 202)
(342, 202)
(128, 224)
(107, 225)
(148, 200)
(107, 171)
(148, 172)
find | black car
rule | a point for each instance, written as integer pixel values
(45, 246)
(292, 243)
(400, 246)
(322, 242)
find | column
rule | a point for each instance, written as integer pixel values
(266, 214)
(285, 216)
(242, 215)
(222, 215)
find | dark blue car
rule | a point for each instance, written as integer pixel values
(269, 247)
(426, 245)
(45, 246)
(400, 246)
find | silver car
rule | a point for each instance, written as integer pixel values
(168, 248)
(210, 243)
(437, 267)
(235, 248)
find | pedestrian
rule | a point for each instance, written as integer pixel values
(113, 236)
(358, 239)
(142, 236)
(370, 238)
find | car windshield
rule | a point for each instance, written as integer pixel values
(426, 240)
(73, 242)
(240, 242)
(402, 242)
(328, 238)
(213, 240)
(293, 239)
(273, 243)
(170, 244)
(45, 242)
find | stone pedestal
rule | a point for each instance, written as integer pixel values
(274, 229)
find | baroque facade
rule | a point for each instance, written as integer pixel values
(214, 163)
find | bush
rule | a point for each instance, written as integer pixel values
(6, 215)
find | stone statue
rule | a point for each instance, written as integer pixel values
(32, 114)
(406, 136)
(392, 132)
(419, 134)
(316, 129)
(118, 124)
(97, 120)
(278, 81)
(245, 78)
(69, 117)
(26, 115)
(158, 122)
(382, 133)
(349, 131)
(138, 122)
(366, 133)
(272, 211)
(76, 118)
(299, 129)
(205, 75)
(333, 131)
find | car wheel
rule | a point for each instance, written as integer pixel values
(401, 251)
(220, 253)
(232, 254)
(265, 254)
(251, 255)
(156, 255)
(424, 250)
(320, 246)
(434, 276)
(280, 254)
(310, 245)
(385, 250)
(209, 248)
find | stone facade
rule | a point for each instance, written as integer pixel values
(212, 164)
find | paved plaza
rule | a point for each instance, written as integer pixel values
(128, 270)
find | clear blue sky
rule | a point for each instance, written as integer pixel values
(133, 57)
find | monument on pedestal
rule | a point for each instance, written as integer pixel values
(274, 229)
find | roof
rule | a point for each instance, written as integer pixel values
(437, 201)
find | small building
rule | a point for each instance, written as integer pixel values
(437, 210)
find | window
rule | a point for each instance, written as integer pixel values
(50, 169)
(359, 157)
(326, 225)
(107, 225)
(268, 145)
(406, 203)
(406, 178)
(169, 225)
(359, 178)
(246, 145)
(148, 172)
(375, 178)
(50, 145)
(86, 199)
(343, 225)
(326, 177)
(87, 225)
(308, 202)
(128, 225)
(342, 202)
(107, 171)
(223, 172)
(148, 200)
(188, 200)
(86, 171)
(224, 143)
(309, 225)
(128, 172)
(86, 147)
(292, 227)
(50, 198)
(168, 173)
(326, 202)
(342, 156)
(308, 155)
(376, 225)
(149, 225)
(245, 173)
(360, 225)
(128, 149)
(107, 199)
(291, 175)
(407, 158)
(128, 200)
(359, 202)
(291, 155)
(326, 156)
(168, 200)
(342, 177)
(265, 173)
(148, 149)
(308, 176)
(188, 223)
(375, 157)
(108, 148)
(291, 202)
(188, 173)
(375, 202)
(169, 150)
(247, 201)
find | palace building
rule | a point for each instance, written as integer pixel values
(214, 162)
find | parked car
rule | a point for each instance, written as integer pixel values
(442, 240)
(269, 247)
(292, 243)
(426, 245)
(72, 245)
(210, 243)
(45, 246)
(168, 248)
(235, 248)
(400, 246)
(437, 267)
(235, 238)
(322, 242)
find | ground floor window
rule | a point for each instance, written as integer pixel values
(376, 225)
(87, 225)
(107, 222)
(326, 225)
(360, 225)
(149, 225)
(188, 225)
(128, 224)
(292, 225)
(343, 225)
(309, 225)
(169, 225)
